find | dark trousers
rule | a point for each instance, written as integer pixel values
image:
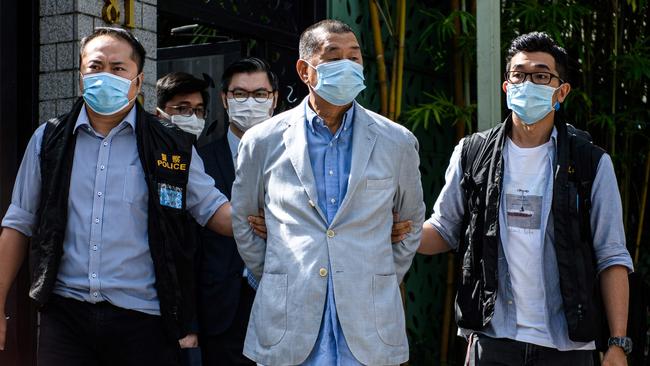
(76, 333)
(487, 351)
(226, 348)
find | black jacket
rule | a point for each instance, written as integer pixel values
(221, 267)
(577, 162)
(172, 254)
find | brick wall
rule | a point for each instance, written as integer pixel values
(63, 23)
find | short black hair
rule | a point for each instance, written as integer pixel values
(138, 53)
(310, 40)
(248, 65)
(540, 42)
(177, 83)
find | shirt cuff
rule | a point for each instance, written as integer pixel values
(203, 214)
(619, 259)
(449, 238)
(18, 219)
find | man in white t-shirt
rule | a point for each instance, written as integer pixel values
(526, 292)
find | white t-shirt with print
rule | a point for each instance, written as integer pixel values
(527, 172)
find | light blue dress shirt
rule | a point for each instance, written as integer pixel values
(106, 250)
(330, 156)
(608, 242)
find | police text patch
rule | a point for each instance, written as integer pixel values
(171, 162)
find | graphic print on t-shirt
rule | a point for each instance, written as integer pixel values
(524, 211)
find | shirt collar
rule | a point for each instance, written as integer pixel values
(313, 119)
(82, 119)
(554, 138)
(233, 143)
(554, 134)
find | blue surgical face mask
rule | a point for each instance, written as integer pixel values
(105, 93)
(339, 82)
(530, 101)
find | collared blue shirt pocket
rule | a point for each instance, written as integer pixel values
(374, 184)
(135, 186)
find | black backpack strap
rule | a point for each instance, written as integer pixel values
(471, 146)
(584, 158)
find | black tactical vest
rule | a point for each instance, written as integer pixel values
(165, 154)
(577, 163)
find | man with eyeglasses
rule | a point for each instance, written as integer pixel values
(182, 100)
(540, 212)
(249, 93)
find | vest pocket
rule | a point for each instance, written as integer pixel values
(270, 314)
(389, 315)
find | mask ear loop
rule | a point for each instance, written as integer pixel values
(308, 63)
(163, 113)
(305, 75)
(556, 106)
(137, 76)
(140, 84)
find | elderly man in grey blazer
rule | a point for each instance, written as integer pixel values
(329, 174)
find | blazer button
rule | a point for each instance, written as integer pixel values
(330, 233)
(322, 272)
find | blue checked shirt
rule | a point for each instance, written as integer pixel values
(106, 250)
(331, 157)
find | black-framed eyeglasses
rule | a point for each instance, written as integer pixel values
(538, 77)
(187, 111)
(259, 95)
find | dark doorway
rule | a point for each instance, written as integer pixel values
(19, 60)
(205, 61)
(268, 29)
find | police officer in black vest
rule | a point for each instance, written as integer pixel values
(107, 193)
(182, 100)
(225, 294)
(533, 209)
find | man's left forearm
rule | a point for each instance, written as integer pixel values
(615, 290)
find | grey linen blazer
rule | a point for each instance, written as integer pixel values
(274, 172)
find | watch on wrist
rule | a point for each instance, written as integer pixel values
(624, 342)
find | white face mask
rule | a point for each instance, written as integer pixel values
(248, 113)
(191, 124)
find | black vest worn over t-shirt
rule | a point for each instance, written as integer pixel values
(577, 162)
